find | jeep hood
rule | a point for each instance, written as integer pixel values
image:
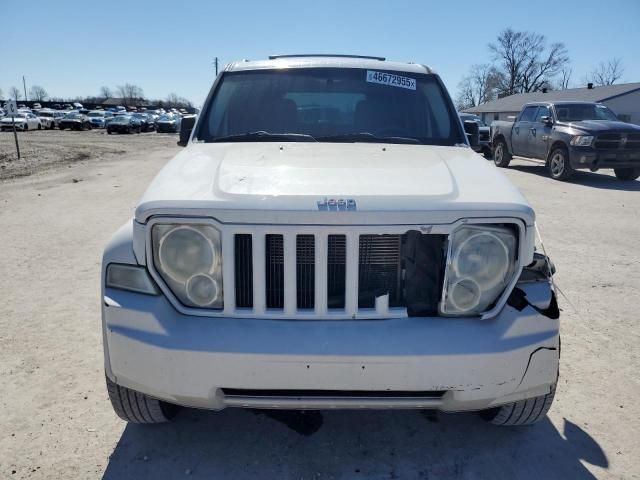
(270, 182)
(603, 126)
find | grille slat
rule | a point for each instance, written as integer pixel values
(244, 270)
(379, 269)
(336, 270)
(274, 275)
(305, 271)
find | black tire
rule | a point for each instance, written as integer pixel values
(627, 173)
(524, 412)
(135, 407)
(26, 127)
(559, 165)
(108, 132)
(501, 155)
(39, 126)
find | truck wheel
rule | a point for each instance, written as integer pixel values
(627, 173)
(524, 412)
(137, 407)
(559, 165)
(501, 155)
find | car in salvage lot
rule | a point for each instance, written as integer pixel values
(22, 120)
(124, 124)
(74, 121)
(168, 123)
(256, 273)
(569, 136)
(98, 118)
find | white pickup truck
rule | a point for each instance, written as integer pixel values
(327, 239)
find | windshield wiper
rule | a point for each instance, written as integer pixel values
(367, 137)
(261, 135)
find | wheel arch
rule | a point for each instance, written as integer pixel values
(554, 145)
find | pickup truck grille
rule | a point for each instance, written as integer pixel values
(615, 141)
(294, 275)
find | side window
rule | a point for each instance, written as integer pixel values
(542, 112)
(528, 114)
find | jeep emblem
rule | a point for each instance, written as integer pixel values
(336, 204)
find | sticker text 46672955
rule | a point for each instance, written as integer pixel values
(391, 79)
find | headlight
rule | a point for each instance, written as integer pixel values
(188, 259)
(480, 265)
(582, 140)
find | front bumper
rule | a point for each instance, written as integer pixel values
(209, 362)
(587, 157)
(9, 126)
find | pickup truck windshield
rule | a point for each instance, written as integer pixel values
(576, 112)
(330, 105)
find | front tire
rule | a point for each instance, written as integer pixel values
(501, 155)
(39, 126)
(524, 412)
(559, 164)
(627, 173)
(135, 407)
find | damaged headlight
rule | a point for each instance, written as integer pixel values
(480, 265)
(188, 258)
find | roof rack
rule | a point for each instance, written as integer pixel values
(273, 57)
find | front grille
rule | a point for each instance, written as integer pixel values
(615, 141)
(242, 392)
(354, 270)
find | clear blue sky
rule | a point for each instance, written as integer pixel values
(73, 47)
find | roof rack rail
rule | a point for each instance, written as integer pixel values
(273, 57)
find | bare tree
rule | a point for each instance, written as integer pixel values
(175, 101)
(607, 73)
(479, 86)
(15, 93)
(130, 93)
(565, 78)
(526, 64)
(105, 92)
(38, 93)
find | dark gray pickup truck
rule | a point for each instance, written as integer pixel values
(569, 136)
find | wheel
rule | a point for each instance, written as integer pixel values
(559, 165)
(501, 155)
(524, 412)
(627, 173)
(108, 132)
(137, 407)
(26, 127)
(39, 126)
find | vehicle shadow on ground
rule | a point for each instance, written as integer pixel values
(238, 444)
(585, 178)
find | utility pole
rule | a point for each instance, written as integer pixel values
(24, 84)
(215, 62)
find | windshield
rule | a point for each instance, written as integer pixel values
(121, 119)
(19, 115)
(166, 118)
(73, 115)
(576, 112)
(45, 114)
(330, 104)
(472, 118)
(96, 114)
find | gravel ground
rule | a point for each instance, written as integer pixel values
(43, 150)
(56, 421)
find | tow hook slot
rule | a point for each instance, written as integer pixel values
(518, 300)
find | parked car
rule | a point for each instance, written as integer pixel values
(37, 106)
(2, 112)
(23, 121)
(74, 121)
(168, 123)
(484, 145)
(98, 118)
(46, 117)
(569, 136)
(147, 123)
(77, 105)
(57, 116)
(328, 239)
(124, 124)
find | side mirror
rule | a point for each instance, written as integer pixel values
(472, 129)
(546, 120)
(186, 126)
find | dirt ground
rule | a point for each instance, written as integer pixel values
(56, 421)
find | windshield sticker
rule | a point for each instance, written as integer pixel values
(391, 79)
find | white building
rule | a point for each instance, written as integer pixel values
(623, 99)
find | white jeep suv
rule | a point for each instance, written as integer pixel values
(327, 239)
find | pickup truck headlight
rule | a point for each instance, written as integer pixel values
(480, 265)
(582, 140)
(188, 258)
